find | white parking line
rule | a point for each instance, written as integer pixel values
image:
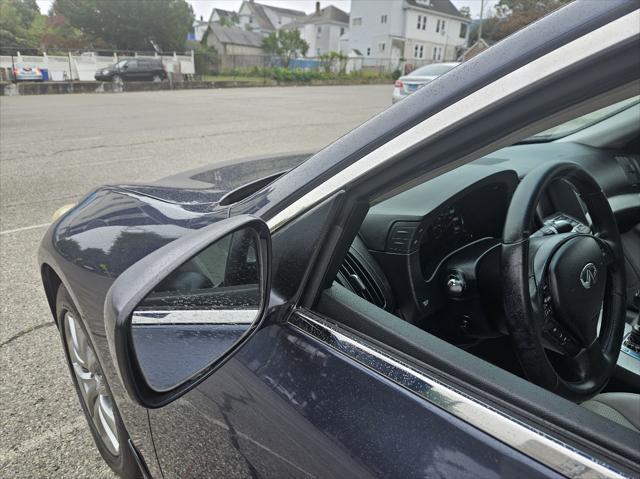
(24, 228)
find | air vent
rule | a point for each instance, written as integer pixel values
(354, 275)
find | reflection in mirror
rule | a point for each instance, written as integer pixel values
(200, 311)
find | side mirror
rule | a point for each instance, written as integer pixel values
(176, 315)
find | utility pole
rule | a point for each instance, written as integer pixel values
(481, 17)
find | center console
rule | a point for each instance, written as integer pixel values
(628, 366)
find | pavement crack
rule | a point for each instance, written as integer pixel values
(27, 331)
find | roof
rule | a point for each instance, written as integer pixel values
(222, 13)
(328, 14)
(439, 6)
(475, 49)
(261, 18)
(235, 35)
(284, 11)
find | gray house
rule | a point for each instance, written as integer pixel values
(233, 40)
(237, 48)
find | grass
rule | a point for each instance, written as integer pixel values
(232, 78)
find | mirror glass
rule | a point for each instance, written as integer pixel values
(200, 311)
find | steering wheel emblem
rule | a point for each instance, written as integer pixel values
(589, 276)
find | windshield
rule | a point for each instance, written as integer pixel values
(120, 64)
(583, 121)
(432, 70)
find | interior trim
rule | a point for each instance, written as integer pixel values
(553, 453)
(543, 67)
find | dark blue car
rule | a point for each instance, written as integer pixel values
(450, 290)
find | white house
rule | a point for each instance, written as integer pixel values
(265, 18)
(420, 31)
(198, 30)
(322, 29)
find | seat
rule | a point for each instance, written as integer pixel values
(623, 408)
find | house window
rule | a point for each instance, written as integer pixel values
(368, 51)
(383, 19)
(341, 31)
(357, 22)
(319, 30)
(422, 22)
(381, 47)
(317, 52)
(437, 54)
(250, 19)
(279, 20)
(440, 26)
(418, 51)
(463, 30)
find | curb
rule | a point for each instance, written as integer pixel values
(56, 88)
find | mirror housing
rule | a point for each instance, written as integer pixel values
(132, 287)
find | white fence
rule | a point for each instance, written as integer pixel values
(83, 67)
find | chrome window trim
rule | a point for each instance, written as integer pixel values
(553, 453)
(194, 316)
(538, 70)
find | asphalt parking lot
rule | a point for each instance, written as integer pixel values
(55, 148)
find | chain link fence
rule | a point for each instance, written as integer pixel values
(265, 68)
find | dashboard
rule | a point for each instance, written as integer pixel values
(415, 236)
(479, 213)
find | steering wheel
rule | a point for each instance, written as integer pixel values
(561, 284)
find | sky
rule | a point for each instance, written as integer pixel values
(203, 7)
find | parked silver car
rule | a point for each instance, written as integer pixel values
(27, 74)
(407, 84)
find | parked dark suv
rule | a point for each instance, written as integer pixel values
(133, 69)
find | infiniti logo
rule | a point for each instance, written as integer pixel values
(589, 275)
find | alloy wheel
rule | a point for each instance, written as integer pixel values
(91, 382)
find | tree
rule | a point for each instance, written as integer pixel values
(58, 34)
(131, 24)
(331, 60)
(286, 44)
(16, 18)
(513, 15)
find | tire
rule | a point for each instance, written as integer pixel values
(83, 373)
(156, 79)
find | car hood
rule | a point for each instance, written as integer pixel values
(117, 225)
(418, 79)
(204, 187)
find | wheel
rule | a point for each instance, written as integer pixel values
(95, 396)
(157, 78)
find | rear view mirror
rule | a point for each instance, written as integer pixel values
(204, 294)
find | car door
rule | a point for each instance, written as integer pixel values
(289, 404)
(305, 395)
(131, 71)
(146, 69)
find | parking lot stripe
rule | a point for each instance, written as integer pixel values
(24, 228)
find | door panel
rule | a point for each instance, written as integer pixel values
(287, 405)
